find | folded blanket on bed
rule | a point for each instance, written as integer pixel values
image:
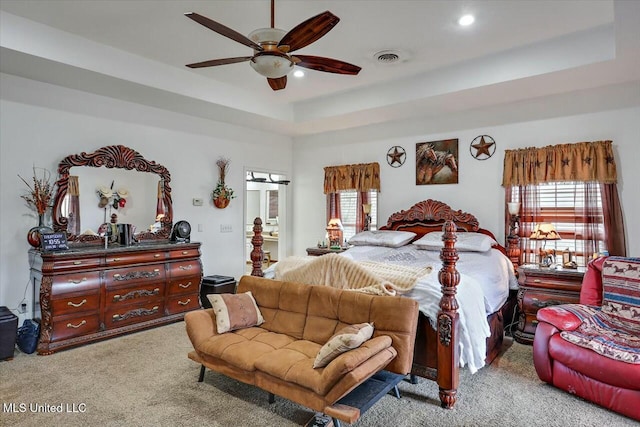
(344, 273)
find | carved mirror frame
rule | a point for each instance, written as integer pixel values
(112, 156)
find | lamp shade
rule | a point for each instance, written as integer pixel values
(545, 231)
(514, 207)
(366, 208)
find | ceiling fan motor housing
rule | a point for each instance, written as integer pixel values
(271, 62)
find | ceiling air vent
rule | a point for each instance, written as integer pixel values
(387, 56)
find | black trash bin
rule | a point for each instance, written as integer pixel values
(8, 333)
(216, 284)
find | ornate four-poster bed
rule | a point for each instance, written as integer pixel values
(437, 355)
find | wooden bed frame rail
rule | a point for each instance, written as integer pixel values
(436, 358)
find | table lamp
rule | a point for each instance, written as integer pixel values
(544, 232)
(366, 209)
(335, 233)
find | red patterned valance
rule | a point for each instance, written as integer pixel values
(582, 161)
(360, 177)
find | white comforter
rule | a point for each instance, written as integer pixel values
(485, 280)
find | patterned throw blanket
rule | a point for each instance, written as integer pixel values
(343, 273)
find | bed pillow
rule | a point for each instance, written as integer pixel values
(467, 242)
(389, 238)
(347, 338)
(235, 311)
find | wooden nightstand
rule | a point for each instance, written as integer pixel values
(323, 251)
(543, 287)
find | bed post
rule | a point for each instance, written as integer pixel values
(448, 320)
(257, 256)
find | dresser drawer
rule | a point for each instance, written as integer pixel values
(75, 264)
(88, 281)
(146, 273)
(183, 303)
(116, 317)
(184, 253)
(532, 301)
(76, 304)
(184, 285)
(185, 268)
(135, 258)
(73, 326)
(136, 294)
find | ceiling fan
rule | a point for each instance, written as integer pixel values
(272, 48)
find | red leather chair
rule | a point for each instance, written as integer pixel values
(565, 359)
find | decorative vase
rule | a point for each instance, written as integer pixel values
(221, 202)
(33, 235)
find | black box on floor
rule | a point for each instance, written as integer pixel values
(8, 333)
(216, 285)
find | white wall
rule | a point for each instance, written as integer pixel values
(72, 121)
(479, 190)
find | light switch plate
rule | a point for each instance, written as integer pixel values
(197, 202)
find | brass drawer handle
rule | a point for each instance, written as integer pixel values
(184, 286)
(84, 301)
(116, 275)
(75, 282)
(135, 313)
(185, 303)
(138, 293)
(156, 255)
(537, 280)
(156, 270)
(69, 325)
(116, 260)
(77, 262)
(186, 267)
(185, 252)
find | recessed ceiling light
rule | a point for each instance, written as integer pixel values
(466, 20)
(298, 73)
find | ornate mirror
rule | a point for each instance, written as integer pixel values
(130, 169)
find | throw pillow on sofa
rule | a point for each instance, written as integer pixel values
(235, 311)
(347, 338)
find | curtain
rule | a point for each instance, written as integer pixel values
(613, 223)
(582, 161)
(360, 177)
(589, 162)
(160, 203)
(73, 227)
(333, 207)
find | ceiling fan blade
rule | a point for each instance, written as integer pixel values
(214, 62)
(309, 31)
(277, 84)
(327, 65)
(222, 30)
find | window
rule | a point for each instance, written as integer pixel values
(348, 201)
(574, 208)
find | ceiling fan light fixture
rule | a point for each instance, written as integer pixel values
(271, 66)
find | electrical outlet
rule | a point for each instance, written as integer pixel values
(23, 308)
(226, 228)
(197, 202)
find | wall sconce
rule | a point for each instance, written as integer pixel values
(544, 232)
(335, 233)
(366, 209)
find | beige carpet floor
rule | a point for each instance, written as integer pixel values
(145, 379)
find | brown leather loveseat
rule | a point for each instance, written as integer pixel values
(278, 355)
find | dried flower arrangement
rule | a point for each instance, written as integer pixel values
(222, 193)
(40, 194)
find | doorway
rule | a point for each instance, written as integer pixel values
(265, 197)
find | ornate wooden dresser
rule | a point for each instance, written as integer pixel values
(90, 294)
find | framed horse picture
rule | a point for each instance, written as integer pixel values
(437, 162)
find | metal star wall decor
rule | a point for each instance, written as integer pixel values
(396, 156)
(484, 147)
